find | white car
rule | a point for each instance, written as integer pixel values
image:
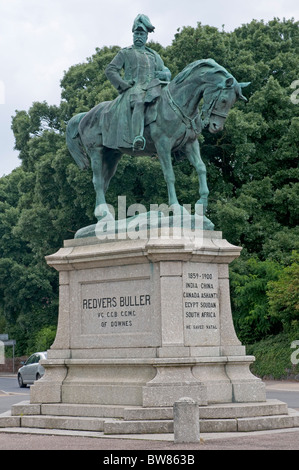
(31, 370)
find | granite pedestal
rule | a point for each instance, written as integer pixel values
(145, 322)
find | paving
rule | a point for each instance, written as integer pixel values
(46, 439)
(72, 440)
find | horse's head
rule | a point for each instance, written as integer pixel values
(218, 100)
(208, 80)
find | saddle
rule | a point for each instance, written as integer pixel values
(116, 121)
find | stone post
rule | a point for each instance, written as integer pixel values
(186, 421)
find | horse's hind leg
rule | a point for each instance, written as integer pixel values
(110, 162)
(96, 157)
(103, 163)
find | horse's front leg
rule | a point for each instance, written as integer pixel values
(192, 152)
(164, 155)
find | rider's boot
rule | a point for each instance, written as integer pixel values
(138, 126)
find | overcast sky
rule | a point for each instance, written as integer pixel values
(40, 39)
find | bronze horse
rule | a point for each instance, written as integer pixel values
(173, 126)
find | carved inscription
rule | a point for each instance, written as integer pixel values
(103, 310)
(201, 304)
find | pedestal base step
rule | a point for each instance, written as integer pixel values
(229, 417)
(262, 423)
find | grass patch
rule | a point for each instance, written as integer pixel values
(273, 356)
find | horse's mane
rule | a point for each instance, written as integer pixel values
(209, 66)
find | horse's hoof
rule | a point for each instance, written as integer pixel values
(102, 213)
(207, 224)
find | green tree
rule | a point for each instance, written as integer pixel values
(249, 282)
(283, 295)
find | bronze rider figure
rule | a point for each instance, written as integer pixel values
(143, 74)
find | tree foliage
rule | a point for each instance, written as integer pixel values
(283, 295)
(252, 174)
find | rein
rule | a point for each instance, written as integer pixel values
(188, 121)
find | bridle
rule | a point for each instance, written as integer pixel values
(208, 108)
(204, 116)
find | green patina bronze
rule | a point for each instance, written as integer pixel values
(144, 76)
(152, 115)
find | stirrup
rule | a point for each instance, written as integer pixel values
(139, 143)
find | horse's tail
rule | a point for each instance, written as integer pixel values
(74, 142)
